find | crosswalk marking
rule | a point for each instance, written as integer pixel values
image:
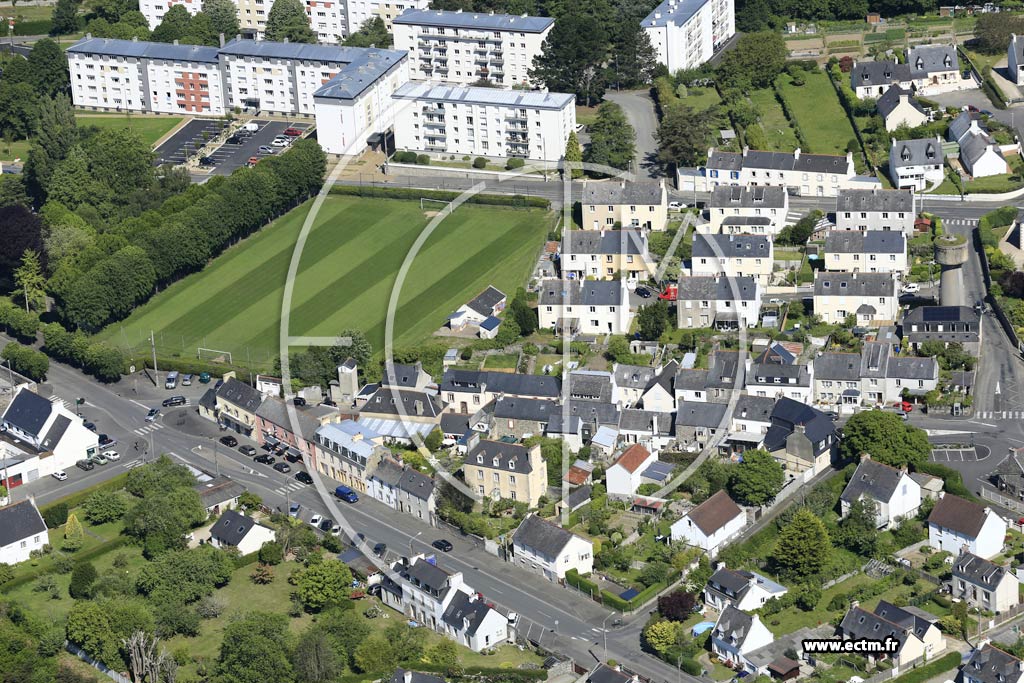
(133, 464)
(1001, 415)
(152, 427)
(294, 486)
(57, 400)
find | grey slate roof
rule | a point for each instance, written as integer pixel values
(697, 414)
(590, 385)
(55, 432)
(516, 408)
(873, 480)
(386, 400)
(717, 288)
(860, 623)
(879, 73)
(961, 125)
(676, 11)
(725, 371)
(535, 99)
(28, 412)
(633, 376)
(589, 412)
(544, 537)
(414, 677)
(974, 146)
(240, 394)
(910, 367)
(733, 625)
(978, 571)
(757, 408)
(586, 293)
(892, 201)
(736, 196)
(209, 399)
(643, 421)
(844, 367)
(425, 575)
(232, 527)
(613, 193)
(603, 673)
(388, 471)
(787, 414)
(275, 411)
(602, 242)
(854, 284)
(416, 484)
(218, 490)
(20, 521)
(778, 161)
(917, 152)
(865, 242)
(927, 59)
(992, 665)
(474, 20)
(512, 457)
(891, 99)
(462, 608)
(401, 375)
(731, 246)
(141, 49)
(484, 302)
(693, 380)
(765, 373)
(958, 514)
(508, 383)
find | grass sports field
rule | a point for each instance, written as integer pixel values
(348, 268)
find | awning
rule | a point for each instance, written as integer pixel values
(745, 437)
(273, 441)
(294, 451)
(851, 392)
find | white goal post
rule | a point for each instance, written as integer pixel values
(445, 202)
(215, 355)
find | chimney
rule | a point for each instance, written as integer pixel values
(418, 407)
(220, 38)
(175, 41)
(865, 456)
(285, 39)
(854, 604)
(745, 150)
(238, 36)
(796, 153)
(135, 39)
(407, 677)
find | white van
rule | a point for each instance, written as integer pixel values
(251, 126)
(172, 380)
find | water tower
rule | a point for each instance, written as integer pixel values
(951, 254)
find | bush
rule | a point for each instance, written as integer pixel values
(514, 163)
(405, 157)
(26, 361)
(55, 515)
(691, 667)
(271, 553)
(423, 160)
(83, 578)
(573, 578)
(480, 162)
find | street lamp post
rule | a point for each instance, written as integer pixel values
(604, 627)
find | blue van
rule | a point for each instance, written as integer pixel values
(346, 494)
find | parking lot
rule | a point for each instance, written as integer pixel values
(954, 455)
(227, 157)
(184, 143)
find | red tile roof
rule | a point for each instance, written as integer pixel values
(577, 476)
(633, 457)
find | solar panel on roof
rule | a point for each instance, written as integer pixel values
(940, 314)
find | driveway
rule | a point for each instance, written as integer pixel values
(1012, 116)
(639, 109)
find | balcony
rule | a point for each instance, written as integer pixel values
(436, 148)
(434, 124)
(517, 139)
(433, 109)
(516, 117)
(497, 60)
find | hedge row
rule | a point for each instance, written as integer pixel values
(246, 560)
(18, 322)
(788, 112)
(584, 585)
(952, 482)
(74, 500)
(609, 599)
(37, 27)
(486, 672)
(89, 554)
(516, 200)
(103, 362)
(992, 89)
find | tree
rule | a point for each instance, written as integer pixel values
(352, 343)
(83, 577)
(803, 549)
(573, 156)
(375, 654)
(662, 635)
(654, 572)
(26, 360)
(287, 20)
(758, 59)
(521, 312)
(19, 107)
(859, 529)
(249, 501)
(346, 627)
(48, 66)
(56, 134)
(683, 136)
(373, 33)
(993, 31)
(185, 576)
(796, 235)
(105, 506)
(73, 533)
(254, 649)
(89, 626)
(886, 437)
(612, 139)
(322, 584)
(634, 60)
(570, 59)
(652, 320)
(262, 574)
(677, 605)
(316, 659)
(147, 659)
(65, 17)
(434, 440)
(31, 282)
(223, 16)
(271, 552)
(55, 515)
(445, 654)
(757, 480)
(162, 520)
(174, 25)
(12, 191)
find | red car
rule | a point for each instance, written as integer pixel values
(292, 132)
(905, 406)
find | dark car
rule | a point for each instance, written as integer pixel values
(106, 441)
(247, 450)
(304, 478)
(299, 401)
(264, 459)
(443, 544)
(643, 292)
(380, 549)
(91, 426)
(283, 467)
(234, 140)
(207, 161)
(291, 457)
(218, 384)
(326, 524)
(86, 465)
(229, 441)
(174, 401)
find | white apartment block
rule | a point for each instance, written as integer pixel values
(876, 210)
(872, 297)
(686, 33)
(446, 119)
(465, 47)
(736, 210)
(154, 10)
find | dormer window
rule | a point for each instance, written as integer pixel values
(512, 464)
(495, 461)
(480, 459)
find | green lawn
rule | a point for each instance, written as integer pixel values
(501, 361)
(773, 121)
(150, 128)
(816, 107)
(701, 98)
(17, 150)
(346, 274)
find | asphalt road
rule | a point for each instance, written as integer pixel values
(189, 138)
(639, 109)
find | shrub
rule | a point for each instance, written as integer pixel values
(55, 515)
(423, 160)
(514, 163)
(83, 578)
(480, 162)
(271, 553)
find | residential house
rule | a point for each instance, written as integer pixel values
(802, 438)
(710, 525)
(956, 523)
(697, 424)
(744, 590)
(751, 420)
(466, 391)
(1008, 476)
(233, 406)
(22, 531)
(382, 482)
(928, 69)
(580, 473)
(777, 380)
(606, 254)
(235, 530)
(40, 437)
(585, 307)
(348, 452)
(691, 385)
(416, 495)
(481, 308)
(945, 324)
(875, 78)
(502, 470)
(403, 676)
(734, 256)
(549, 550)
(718, 301)
(898, 107)
(611, 204)
(276, 428)
(872, 298)
(397, 414)
(980, 154)
(632, 381)
(1011, 244)
(915, 631)
(985, 585)
(737, 634)
(219, 493)
(989, 664)
(625, 475)
(585, 419)
(471, 622)
(726, 376)
(593, 385)
(603, 673)
(872, 377)
(766, 207)
(916, 164)
(808, 175)
(876, 210)
(521, 417)
(1015, 59)
(651, 428)
(659, 395)
(894, 495)
(868, 251)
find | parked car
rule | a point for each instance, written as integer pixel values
(265, 459)
(328, 526)
(299, 401)
(234, 140)
(293, 510)
(204, 378)
(218, 384)
(207, 161)
(292, 132)
(280, 142)
(380, 549)
(291, 457)
(283, 467)
(247, 450)
(346, 494)
(112, 455)
(106, 441)
(99, 459)
(229, 441)
(186, 380)
(266, 149)
(86, 465)
(252, 161)
(911, 288)
(174, 401)
(580, 127)
(303, 478)
(91, 426)
(152, 414)
(676, 206)
(443, 544)
(776, 302)
(60, 475)
(905, 406)
(643, 292)
(315, 520)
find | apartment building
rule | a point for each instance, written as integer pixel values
(876, 210)
(634, 204)
(590, 307)
(734, 256)
(686, 33)
(509, 471)
(725, 303)
(734, 209)
(446, 119)
(466, 47)
(868, 251)
(872, 297)
(606, 254)
(808, 175)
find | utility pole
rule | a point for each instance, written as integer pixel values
(152, 344)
